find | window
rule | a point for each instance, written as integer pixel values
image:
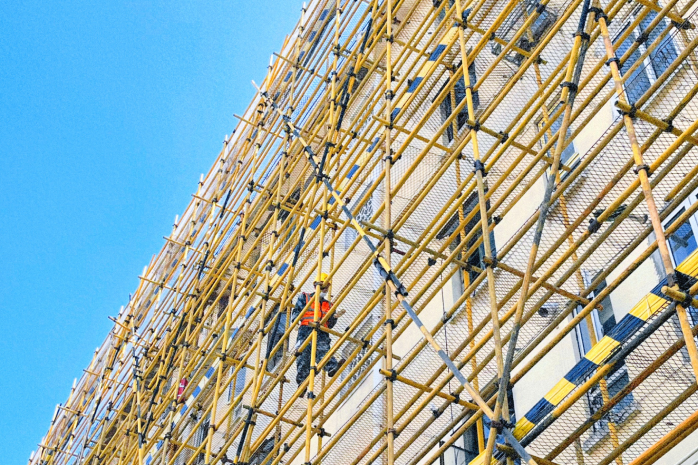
(199, 437)
(238, 384)
(682, 243)
(604, 321)
(463, 451)
(477, 256)
(569, 157)
(364, 214)
(288, 204)
(470, 447)
(465, 448)
(615, 382)
(454, 455)
(353, 362)
(654, 65)
(459, 94)
(528, 41)
(260, 455)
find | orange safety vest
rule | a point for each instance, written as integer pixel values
(309, 314)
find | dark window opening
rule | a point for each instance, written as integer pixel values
(604, 321)
(660, 58)
(458, 92)
(200, 437)
(261, 455)
(532, 37)
(568, 152)
(476, 258)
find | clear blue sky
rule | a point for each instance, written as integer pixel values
(109, 111)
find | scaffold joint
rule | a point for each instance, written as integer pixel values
(642, 167)
(570, 85)
(390, 322)
(598, 12)
(431, 261)
(499, 425)
(669, 125)
(685, 25)
(613, 59)
(464, 16)
(479, 166)
(392, 377)
(456, 397)
(642, 37)
(594, 225)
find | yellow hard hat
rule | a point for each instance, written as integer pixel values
(323, 277)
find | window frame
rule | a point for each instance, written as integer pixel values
(646, 66)
(446, 106)
(692, 221)
(574, 158)
(691, 199)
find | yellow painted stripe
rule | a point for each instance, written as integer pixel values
(648, 306)
(523, 426)
(426, 69)
(450, 35)
(480, 460)
(403, 100)
(559, 391)
(602, 350)
(690, 265)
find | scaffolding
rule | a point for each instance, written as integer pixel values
(484, 183)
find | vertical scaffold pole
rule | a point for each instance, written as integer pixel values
(387, 224)
(480, 173)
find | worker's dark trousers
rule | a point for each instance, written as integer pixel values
(275, 335)
(303, 360)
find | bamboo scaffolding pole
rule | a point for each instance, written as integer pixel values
(206, 258)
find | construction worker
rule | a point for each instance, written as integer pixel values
(306, 305)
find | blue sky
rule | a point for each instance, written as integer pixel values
(109, 111)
